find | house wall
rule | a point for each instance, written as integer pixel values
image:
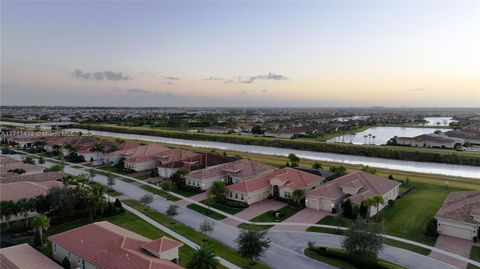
(202, 184)
(59, 253)
(171, 254)
(251, 197)
(140, 166)
(166, 172)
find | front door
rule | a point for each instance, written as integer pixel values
(276, 191)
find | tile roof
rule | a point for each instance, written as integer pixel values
(168, 158)
(29, 168)
(240, 169)
(7, 160)
(25, 257)
(161, 245)
(459, 206)
(24, 189)
(146, 153)
(108, 246)
(292, 178)
(370, 185)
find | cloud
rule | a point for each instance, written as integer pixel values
(136, 90)
(172, 78)
(264, 91)
(269, 76)
(105, 75)
(214, 79)
(417, 90)
(169, 82)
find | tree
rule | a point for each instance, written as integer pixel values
(298, 197)
(96, 201)
(97, 147)
(363, 239)
(113, 148)
(172, 211)
(66, 263)
(41, 161)
(7, 210)
(146, 199)
(368, 169)
(368, 203)
(179, 177)
(203, 258)
(24, 206)
(294, 159)
(377, 201)
(71, 148)
(110, 181)
(91, 173)
(56, 148)
(257, 129)
(218, 191)
(206, 227)
(338, 170)
(252, 244)
(347, 209)
(118, 205)
(40, 224)
(317, 165)
(167, 185)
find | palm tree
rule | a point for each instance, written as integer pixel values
(56, 148)
(40, 223)
(98, 147)
(298, 196)
(41, 161)
(218, 191)
(365, 137)
(71, 148)
(369, 137)
(24, 206)
(377, 200)
(96, 200)
(8, 209)
(368, 203)
(373, 139)
(203, 258)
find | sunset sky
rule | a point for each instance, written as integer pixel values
(295, 54)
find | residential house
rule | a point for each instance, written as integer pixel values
(145, 157)
(230, 173)
(278, 183)
(7, 165)
(40, 177)
(125, 149)
(195, 162)
(430, 141)
(357, 187)
(167, 159)
(108, 246)
(25, 257)
(459, 215)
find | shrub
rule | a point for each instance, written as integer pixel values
(231, 203)
(66, 263)
(432, 228)
(391, 203)
(311, 245)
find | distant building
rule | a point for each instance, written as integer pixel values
(430, 141)
(108, 246)
(199, 161)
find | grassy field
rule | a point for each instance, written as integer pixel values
(474, 255)
(197, 237)
(158, 192)
(184, 192)
(227, 209)
(126, 220)
(206, 212)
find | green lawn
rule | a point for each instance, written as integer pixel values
(164, 194)
(269, 216)
(343, 264)
(226, 209)
(113, 193)
(205, 211)
(185, 192)
(143, 177)
(197, 237)
(335, 262)
(474, 255)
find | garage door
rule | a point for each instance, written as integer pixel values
(456, 231)
(312, 203)
(326, 205)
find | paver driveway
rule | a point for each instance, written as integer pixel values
(455, 245)
(255, 210)
(306, 215)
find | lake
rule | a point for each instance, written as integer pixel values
(382, 134)
(420, 167)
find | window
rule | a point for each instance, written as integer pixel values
(55, 248)
(69, 255)
(241, 197)
(236, 195)
(230, 195)
(83, 264)
(286, 194)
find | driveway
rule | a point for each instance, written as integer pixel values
(199, 197)
(455, 245)
(306, 215)
(255, 210)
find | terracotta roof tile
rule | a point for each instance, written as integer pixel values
(459, 206)
(25, 257)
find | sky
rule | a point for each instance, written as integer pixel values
(219, 53)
